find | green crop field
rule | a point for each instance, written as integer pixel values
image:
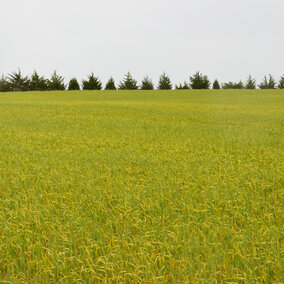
(134, 186)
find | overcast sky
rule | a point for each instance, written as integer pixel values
(225, 39)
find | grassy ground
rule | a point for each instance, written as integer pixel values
(168, 186)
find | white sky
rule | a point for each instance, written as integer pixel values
(225, 39)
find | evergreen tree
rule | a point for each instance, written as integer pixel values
(73, 84)
(56, 82)
(93, 83)
(264, 83)
(216, 85)
(147, 84)
(231, 85)
(199, 81)
(268, 83)
(128, 83)
(18, 82)
(110, 85)
(183, 86)
(250, 84)
(38, 83)
(4, 84)
(281, 83)
(271, 82)
(164, 82)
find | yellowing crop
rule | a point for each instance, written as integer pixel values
(133, 186)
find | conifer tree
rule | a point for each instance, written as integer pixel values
(92, 83)
(73, 84)
(231, 85)
(110, 85)
(251, 83)
(216, 85)
(38, 83)
(268, 83)
(128, 83)
(164, 82)
(56, 82)
(281, 83)
(184, 86)
(199, 81)
(147, 84)
(18, 82)
(4, 84)
(271, 82)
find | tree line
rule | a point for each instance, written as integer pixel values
(16, 81)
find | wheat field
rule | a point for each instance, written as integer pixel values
(142, 186)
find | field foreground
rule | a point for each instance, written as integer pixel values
(162, 186)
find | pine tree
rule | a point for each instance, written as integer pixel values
(56, 82)
(4, 84)
(164, 82)
(128, 83)
(231, 85)
(281, 83)
(216, 85)
(251, 83)
(38, 83)
(18, 82)
(147, 84)
(183, 86)
(199, 81)
(268, 83)
(93, 83)
(271, 83)
(73, 84)
(110, 85)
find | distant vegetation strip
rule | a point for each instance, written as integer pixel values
(16, 81)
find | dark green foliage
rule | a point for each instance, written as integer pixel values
(183, 86)
(18, 82)
(38, 83)
(128, 83)
(4, 84)
(268, 83)
(281, 83)
(216, 85)
(164, 82)
(147, 84)
(179, 87)
(73, 85)
(56, 82)
(231, 85)
(199, 81)
(93, 83)
(110, 85)
(250, 83)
